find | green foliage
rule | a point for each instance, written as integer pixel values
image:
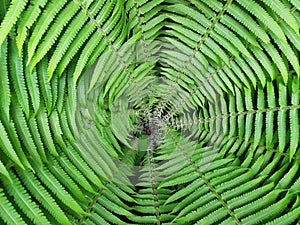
(149, 112)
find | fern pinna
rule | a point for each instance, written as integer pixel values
(149, 112)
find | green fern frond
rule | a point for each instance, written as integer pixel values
(67, 13)
(25, 134)
(43, 196)
(7, 147)
(33, 89)
(8, 214)
(44, 128)
(263, 16)
(103, 37)
(18, 78)
(294, 119)
(28, 18)
(51, 9)
(83, 35)
(149, 112)
(81, 165)
(4, 81)
(269, 212)
(4, 171)
(24, 201)
(245, 19)
(287, 218)
(11, 17)
(278, 60)
(66, 41)
(53, 184)
(284, 13)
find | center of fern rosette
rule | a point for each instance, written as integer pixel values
(130, 107)
(150, 132)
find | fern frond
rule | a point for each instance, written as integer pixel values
(122, 193)
(7, 147)
(264, 17)
(68, 182)
(239, 29)
(245, 19)
(281, 119)
(287, 179)
(4, 80)
(65, 42)
(291, 35)
(8, 213)
(96, 219)
(44, 128)
(43, 196)
(66, 126)
(280, 9)
(25, 134)
(107, 215)
(265, 63)
(83, 35)
(269, 212)
(278, 60)
(200, 212)
(4, 171)
(33, 89)
(104, 36)
(295, 186)
(149, 112)
(61, 90)
(247, 69)
(56, 128)
(45, 88)
(16, 142)
(51, 36)
(82, 166)
(194, 189)
(257, 205)
(294, 119)
(258, 119)
(51, 9)
(287, 218)
(11, 17)
(33, 127)
(113, 207)
(53, 184)
(24, 201)
(270, 115)
(28, 18)
(76, 175)
(289, 53)
(18, 78)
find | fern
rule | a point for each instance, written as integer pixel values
(5, 90)
(18, 79)
(262, 15)
(7, 147)
(11, 17)
(23, 200)
(53, 33)
(8, 213)
(43, 23)
(149, 112)
(30, 15)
